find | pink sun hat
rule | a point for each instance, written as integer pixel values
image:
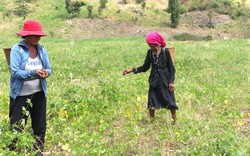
(155, 38)
(32, 27)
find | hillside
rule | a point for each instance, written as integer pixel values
(120, 20)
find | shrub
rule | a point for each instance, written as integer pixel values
(182, 9)
(90, 10)
(190, 37)
(102, 6)
(73, 7)
(242, 11)
(227, 7)
(207, 38)
(173, 8)
(143, 5)
(185, 37)
(198, 5)
(22, 9)
(125, 2)
(140, 1)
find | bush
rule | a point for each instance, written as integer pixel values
(73, 7)
(125, 2)
(220, 6)
(182, 9)
(185, 37)
(90, 11)
(22, 9)
(190, 37)
(102, 6)
(173, 8)
(207, 38)
(142, 2)
(198, 5)
(242, 11)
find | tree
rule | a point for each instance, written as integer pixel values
(22, 9)
(102, 6)
(174, 9)
(73, 7)
(90, 10)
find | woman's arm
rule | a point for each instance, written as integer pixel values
(142, 68)
(170, 66)
(145, 66)
(16, 62)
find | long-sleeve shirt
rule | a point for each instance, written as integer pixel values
(161, 67)
(18, 58)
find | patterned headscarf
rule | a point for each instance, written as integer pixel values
(155, 38)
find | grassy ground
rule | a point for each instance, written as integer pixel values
(94, 110)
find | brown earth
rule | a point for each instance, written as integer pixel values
(195, 23)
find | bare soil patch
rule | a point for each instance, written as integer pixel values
(194, 23)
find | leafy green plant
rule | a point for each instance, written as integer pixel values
(190, 37)
(221, 6)
(174, 9)
(22, 10)
(210, 23)
(102, 6)
(90, 11)
(125, 1)
(73, 7)
(93, 110)
(142, 3)
(90, 99)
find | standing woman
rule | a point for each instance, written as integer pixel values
(161, 79)
(30, 67)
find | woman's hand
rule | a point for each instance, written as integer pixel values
(42, 73)
(45, 72)
(171, 87)
(127, 71)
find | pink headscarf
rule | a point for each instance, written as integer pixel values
(155, 38)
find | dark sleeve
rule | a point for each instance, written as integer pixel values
(170, 66)
(145, 66)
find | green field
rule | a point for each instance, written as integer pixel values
(93, 110)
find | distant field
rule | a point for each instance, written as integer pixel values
(94, 110)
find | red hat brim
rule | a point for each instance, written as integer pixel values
(27, 33)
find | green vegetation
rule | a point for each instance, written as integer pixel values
(190, 37)
(51, 12)
(103, 5)
(230, 7)
(93, 110)
(174, 9)
(73, 7)
(22, 9)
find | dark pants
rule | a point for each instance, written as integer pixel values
(37, 110)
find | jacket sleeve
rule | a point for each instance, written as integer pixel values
(16, 62)
(170, 66)
(47, 65)
(145, 66)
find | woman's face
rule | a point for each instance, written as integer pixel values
(32, 39)
(153, 46)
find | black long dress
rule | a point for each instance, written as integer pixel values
(162, 74)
